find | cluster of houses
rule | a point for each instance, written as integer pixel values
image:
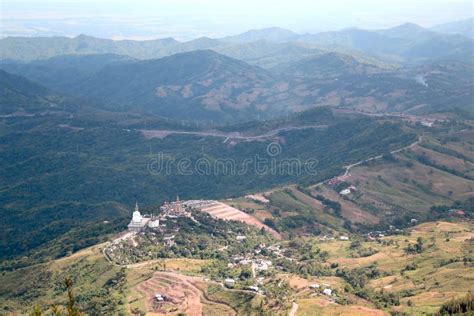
(230, 283)
(336, 181)
(257, 264)
(326, 238)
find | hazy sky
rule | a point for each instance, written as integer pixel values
(187, 19)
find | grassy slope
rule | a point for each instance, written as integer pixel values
(388, 189)
(96, 284)
(430, 284)
(410, 186)
(41, 285)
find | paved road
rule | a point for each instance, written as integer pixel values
(227, 136)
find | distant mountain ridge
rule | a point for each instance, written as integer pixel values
(463, 27)
(408, 44)
(271, 34)
(207, 86)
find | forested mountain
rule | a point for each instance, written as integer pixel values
(61, 73)
(463, 27)
(18, 94)
(398, 46)
(200, 85)
(408, 31)
(31, 48)
(407, 44)
(328, 65)
(205, 86)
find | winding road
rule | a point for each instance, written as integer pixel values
(349, 167)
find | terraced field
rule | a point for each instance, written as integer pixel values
(183, 294)
(226, 212)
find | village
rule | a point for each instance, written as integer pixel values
(251, 254)
(161, 229)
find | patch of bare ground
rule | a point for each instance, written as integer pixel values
(182, 294)
(226, 212)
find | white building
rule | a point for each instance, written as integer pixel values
(345, 192)
(154, 223)
(229, 282)
(240, 238)
(263, 265)
(138, 222)
(327, 292)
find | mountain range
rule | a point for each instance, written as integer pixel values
(203, 85)
(463, 27)
(408, 44)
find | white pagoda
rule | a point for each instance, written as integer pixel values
(138, 222)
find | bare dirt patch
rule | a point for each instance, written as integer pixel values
(226, 212)
(182, 294)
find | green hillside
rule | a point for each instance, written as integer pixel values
(76, 172)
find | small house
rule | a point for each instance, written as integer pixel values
(229, 282)
(159, 298)
(327, 292)
(240, 238)
(345, 192)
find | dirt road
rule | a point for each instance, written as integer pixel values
(293, 310)
(182, 294)
(349, 167)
